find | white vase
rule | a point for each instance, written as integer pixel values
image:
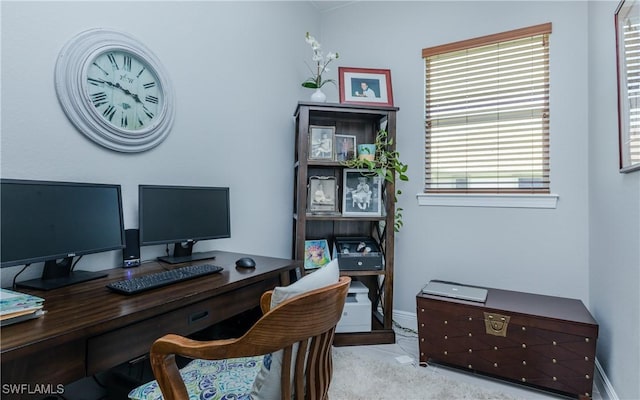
(318, 96)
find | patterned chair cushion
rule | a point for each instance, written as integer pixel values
(211, 380)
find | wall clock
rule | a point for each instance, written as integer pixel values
(114, 90)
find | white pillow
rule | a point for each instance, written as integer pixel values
(325, 276)
(267, 383)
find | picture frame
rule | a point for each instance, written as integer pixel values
(345, 147)
(316, 253)
(322, 195)
(627, 17)
(355, 83)
(321, 142)
(361, 194)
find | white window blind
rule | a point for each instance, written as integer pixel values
(487, 114)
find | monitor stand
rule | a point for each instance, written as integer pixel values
(184, 253)
(55, 283)
(206, 255)
(59, 274)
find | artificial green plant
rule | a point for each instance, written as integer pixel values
(387, 164)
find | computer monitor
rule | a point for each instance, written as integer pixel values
(53, 222)
(183, 215)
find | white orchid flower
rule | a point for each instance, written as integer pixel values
(315, 81)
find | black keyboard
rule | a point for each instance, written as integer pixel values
(164, 278)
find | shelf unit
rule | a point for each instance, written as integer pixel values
(363, 122)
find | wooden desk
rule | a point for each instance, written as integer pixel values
(89, 329)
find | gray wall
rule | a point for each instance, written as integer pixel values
(586, 248)
(614, 217)
(533, 250)
(237, 68)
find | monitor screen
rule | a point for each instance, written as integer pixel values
(183, 215)
(48, 221)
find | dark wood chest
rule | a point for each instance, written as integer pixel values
(543, 341)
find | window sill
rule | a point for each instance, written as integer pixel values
(489, 200)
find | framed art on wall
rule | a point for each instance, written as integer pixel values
(321, 142)
(365, 86)
(362, 194)
(627, 20)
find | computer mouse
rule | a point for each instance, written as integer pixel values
(246, 262)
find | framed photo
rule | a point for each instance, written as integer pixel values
(362, 194)
(316, 253)
(365, 86)
(345, 147)
(321, 142)
(627, 18)
(322, 194)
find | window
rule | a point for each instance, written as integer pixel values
(627, 20)
(487, 114)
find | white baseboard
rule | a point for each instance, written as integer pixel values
(408, 320)
(602, 382)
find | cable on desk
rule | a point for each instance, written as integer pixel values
(97, 381)
(73, 265)
(13, 285)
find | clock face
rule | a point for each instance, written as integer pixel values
(124, 90)
(115, 90)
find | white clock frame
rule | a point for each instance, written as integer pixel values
(72, 90)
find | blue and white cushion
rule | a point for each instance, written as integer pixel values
(211, 380)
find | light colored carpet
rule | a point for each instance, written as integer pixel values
(361, 377)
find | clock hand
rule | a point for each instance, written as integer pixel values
(117, 85)
(95, 80)
(127, 92)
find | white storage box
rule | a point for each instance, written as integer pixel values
(356, 316)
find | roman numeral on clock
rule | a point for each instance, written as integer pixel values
(123, 121)
(95, 82)
(112, 59)
(99, 99)
(151, 99)
(109, 112)
(127, 63)
(101, 69)
(149, 85)
(149, 113)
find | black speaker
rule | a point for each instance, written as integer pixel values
(131, 253)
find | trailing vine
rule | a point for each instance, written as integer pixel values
(387, 164)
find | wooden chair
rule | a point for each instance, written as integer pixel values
(305, 322)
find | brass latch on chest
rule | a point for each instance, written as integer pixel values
(496, 324)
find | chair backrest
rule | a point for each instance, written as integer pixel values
(304, 327)
(306, 322)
